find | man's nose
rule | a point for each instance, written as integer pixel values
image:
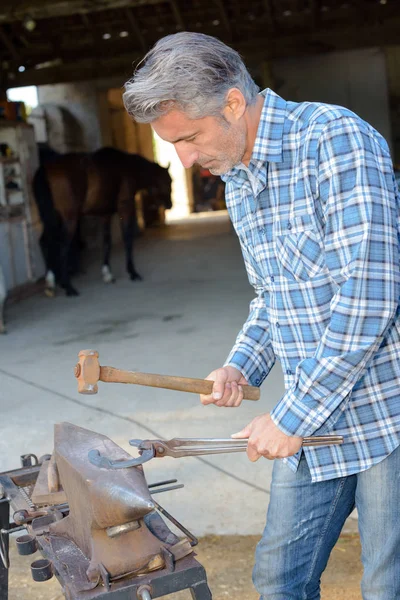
(187, 156)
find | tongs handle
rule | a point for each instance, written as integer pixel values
(180, 447)
(323, 440)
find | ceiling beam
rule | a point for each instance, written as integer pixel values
(9, 45)
(135, 28)
(326, 38)
(177, 14)
(84, 70)
(314, 13)
(224, 17)
(12, 10)
(269, 13)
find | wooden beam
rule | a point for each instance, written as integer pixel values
(9, 45)
(10, 10)
(224, 17)
(314, 13)
(177, 14)
(258, 48)
(269, 13)
(137, 32)
(86, 22)
(84, 70)
(90, 28)
(327, 39)
(68, 51)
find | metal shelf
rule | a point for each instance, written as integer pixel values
(19, 219)
(9, 160)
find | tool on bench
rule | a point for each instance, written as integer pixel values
(99, 530)
(89, 372)
(180, 447)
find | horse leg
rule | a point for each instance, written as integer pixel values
(50, 253)
(108, 277)
(127, 229)
(69, 231)
(3, 296)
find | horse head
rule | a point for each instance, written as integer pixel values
(160, 188)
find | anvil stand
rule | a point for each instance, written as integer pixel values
(187, 573)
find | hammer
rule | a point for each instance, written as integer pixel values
(88, 372)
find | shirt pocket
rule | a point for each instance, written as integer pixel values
(298, 248)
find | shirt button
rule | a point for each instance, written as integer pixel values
(277, 324)
(288, 372)
(257, 381)
(289, 225)
(272, 278)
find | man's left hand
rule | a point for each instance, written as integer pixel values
(265, 439)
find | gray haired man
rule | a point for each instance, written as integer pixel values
(311, 193)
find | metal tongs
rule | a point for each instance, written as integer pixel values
(180, 447)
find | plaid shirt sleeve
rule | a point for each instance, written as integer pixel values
(252, 353)
(357, 194)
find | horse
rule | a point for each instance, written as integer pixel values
(3, 298)
(69, 186)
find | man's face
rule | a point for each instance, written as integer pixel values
(211, 142)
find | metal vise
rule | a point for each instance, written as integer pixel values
(107, 509)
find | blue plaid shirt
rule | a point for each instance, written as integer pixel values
(317, 215)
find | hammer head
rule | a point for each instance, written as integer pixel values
(87, 371)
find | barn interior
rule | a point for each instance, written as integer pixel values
(184, 316)
(79, 54)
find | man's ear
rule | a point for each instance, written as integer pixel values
(235, 105)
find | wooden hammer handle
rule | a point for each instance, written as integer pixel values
(180, 384)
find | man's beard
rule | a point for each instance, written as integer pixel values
(235, 140)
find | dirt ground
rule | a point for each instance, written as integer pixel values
(228, 561)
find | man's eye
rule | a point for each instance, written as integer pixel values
(191, 139)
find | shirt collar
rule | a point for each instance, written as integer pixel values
(269, 138)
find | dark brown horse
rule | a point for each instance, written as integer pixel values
(102, 183)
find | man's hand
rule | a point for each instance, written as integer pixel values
(227, 389)
(265, 439)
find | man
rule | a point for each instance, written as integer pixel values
(311, 193)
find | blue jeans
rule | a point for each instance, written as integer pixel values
(305, 519)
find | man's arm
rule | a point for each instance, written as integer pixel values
(358, 197)
(252, 356)
(252, 353)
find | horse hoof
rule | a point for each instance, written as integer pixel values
(108, 277)
(136, 277)
(70, 291)
(49, 292)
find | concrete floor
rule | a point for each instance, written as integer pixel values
(181, 320)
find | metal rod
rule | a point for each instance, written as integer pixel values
(168, 489)
(13, 528)
(166, 482)
(180, 447)
(194, 541)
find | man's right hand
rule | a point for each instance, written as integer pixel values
(227, 389)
